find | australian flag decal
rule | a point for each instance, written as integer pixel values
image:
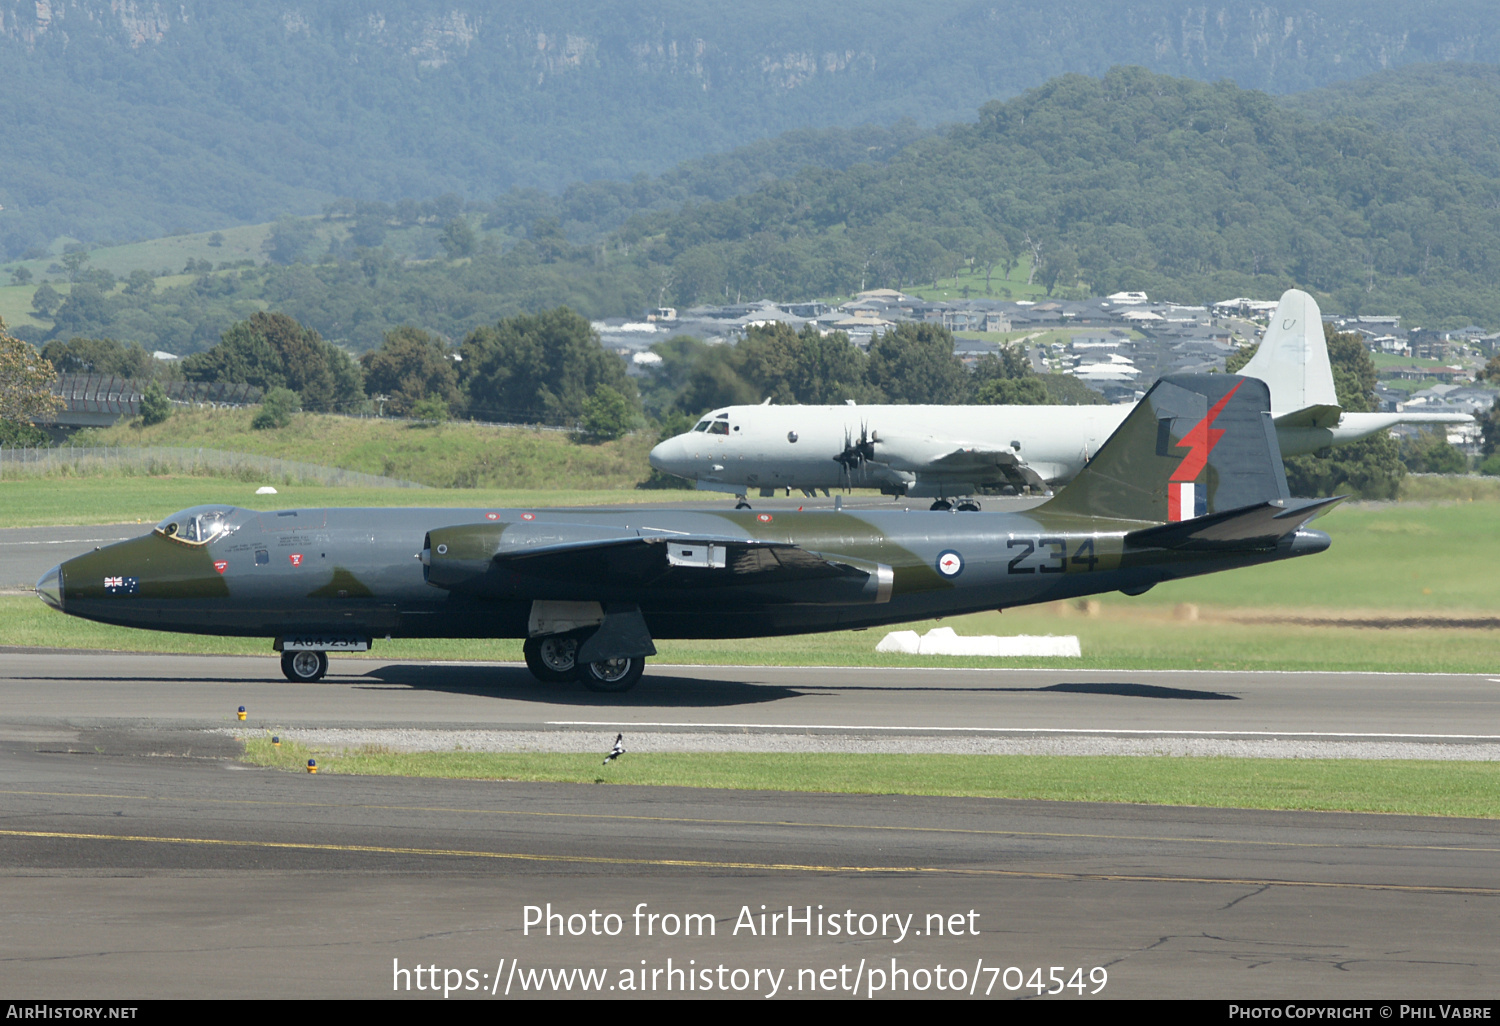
(122, 585)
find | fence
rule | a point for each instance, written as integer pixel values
(146, 460)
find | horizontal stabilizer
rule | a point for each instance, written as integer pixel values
(1250, 527)
(1311, 417)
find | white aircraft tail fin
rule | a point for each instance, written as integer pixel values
(1293, 357)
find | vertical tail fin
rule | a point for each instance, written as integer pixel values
(1196, 444)
(1293, 356)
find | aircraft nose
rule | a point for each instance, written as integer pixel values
(49, 588)
(667, 455)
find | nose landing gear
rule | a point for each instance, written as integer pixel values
(304, 667)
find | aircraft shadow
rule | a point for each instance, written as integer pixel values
(517, 684)
(1122, 689)
(1132, 690)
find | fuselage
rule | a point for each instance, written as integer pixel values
(774, 447)
(744, 448)
(361, 572)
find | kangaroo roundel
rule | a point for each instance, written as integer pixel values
(950, 564)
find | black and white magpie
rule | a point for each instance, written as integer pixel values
(617, 751)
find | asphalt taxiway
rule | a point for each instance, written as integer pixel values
(149, 875)
(141, 860)
(203, 691)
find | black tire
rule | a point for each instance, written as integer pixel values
(551, 659)
(967, 506)
(941, 506)
(612, 676)
(304, 667)
(742, 504)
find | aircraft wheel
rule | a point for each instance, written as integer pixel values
(744, 503)
(967, 506)
(612, 676)
(304, 667)
(942, 505)
(552, 659)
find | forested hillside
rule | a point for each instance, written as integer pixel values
(127, 121)
(1441, 110)
(1131, 181)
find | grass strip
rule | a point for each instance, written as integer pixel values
(46, 502)
(1407, 787)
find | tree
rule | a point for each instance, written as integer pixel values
(789, 366)
(607, 415)
(1027, 391)
(100, 356)
(430, 412)
(411, 365)
(538, 367)
(1372, 467)
(21, 276)
(216, 239)
(274, 351)
(26, 381)
(140, 283)
(915, 363)
(289, 240)
(1430, 453)
(85, 309)
(155, 406)
(73, 263)
(45, 300)
(276, 409)
(989, 251)
(458, 239)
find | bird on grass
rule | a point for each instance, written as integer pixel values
(617, 751)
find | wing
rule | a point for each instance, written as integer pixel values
(485, 560)
(986, 464)
(1311, 417)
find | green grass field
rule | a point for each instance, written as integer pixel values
(1348, 785)
(458, 454)
(33, 502)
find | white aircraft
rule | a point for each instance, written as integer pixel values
(950, 453)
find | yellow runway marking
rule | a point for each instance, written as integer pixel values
(779, 867)
(767, 823)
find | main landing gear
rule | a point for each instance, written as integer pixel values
(304, 667)
(961, 505)
(554, 660)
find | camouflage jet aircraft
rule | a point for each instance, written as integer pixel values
(1191, 483)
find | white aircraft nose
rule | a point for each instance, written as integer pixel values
(670, 456)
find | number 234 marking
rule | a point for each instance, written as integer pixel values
(1055, 556)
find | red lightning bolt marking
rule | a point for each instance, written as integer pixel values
(1201, 441)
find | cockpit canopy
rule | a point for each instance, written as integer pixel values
(197, 526)
(714, 423)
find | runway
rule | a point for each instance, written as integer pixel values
(194, 692)
(28, 552)
(142, 861)
(151, 876)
